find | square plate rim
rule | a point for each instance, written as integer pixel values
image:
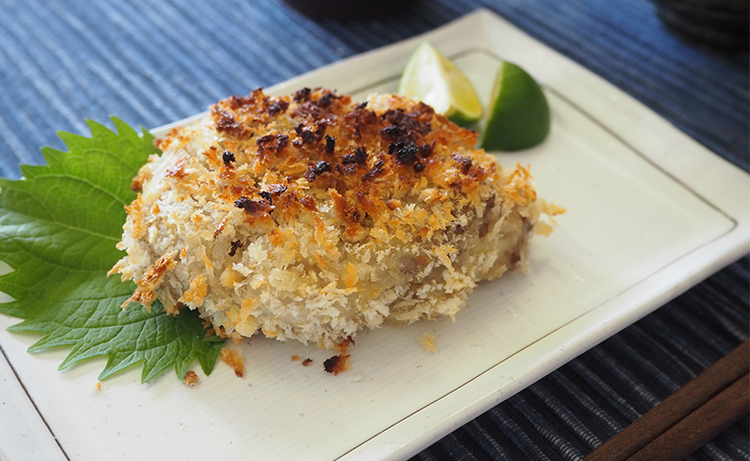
(731, 245)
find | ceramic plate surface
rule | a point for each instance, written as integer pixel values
(644, 223)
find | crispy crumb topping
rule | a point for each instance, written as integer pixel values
(334, 145)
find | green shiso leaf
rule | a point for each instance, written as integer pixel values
(58, 231)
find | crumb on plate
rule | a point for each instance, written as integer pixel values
(427, 341)
(191, 378)
(343, 346)
(337, 364)
(234, 360)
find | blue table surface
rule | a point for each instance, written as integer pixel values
(152, 62)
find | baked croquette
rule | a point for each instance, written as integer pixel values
(312, 217)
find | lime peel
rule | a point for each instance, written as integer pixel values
(519, 115)
(433, 79)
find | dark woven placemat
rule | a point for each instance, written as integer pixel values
(153, 62)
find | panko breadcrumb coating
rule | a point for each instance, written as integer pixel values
(312, 217)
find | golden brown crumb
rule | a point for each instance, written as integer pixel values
(295, 358)
(343, 346)
(337, 364)
(190, 379)
(196, 292)
(234, 360)
(427, 341)
(136, 211)
(145, 294)
(551, 210)
(98, 386)
(144, 174)
(307, 362)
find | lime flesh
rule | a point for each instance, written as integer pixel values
(519, 116)
(433, 79)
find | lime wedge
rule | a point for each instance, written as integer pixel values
(433, 79)
(519, 116)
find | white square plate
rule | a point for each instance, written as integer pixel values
(644, 223)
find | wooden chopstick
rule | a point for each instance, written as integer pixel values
(700, 426)
(731, 369)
